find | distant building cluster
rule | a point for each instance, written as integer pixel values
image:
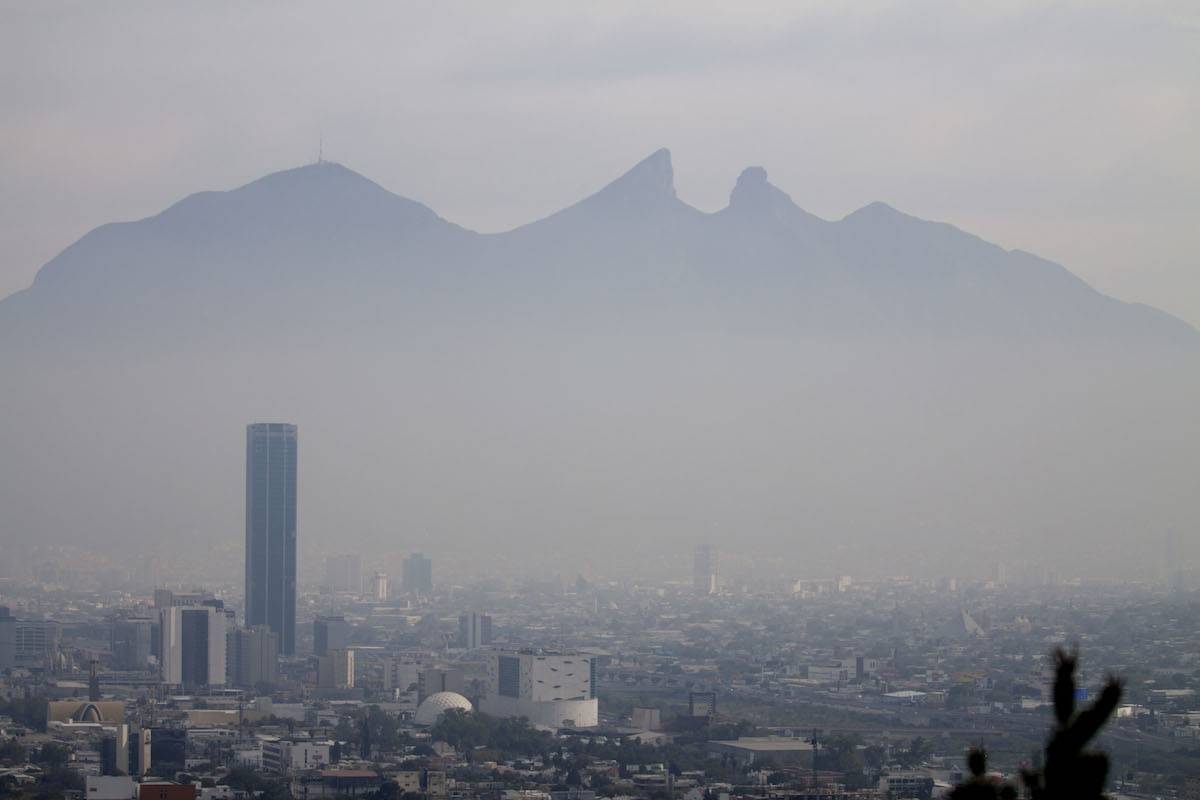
(352, 684)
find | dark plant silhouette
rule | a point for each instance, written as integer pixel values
(1070, 772)
(979, 786)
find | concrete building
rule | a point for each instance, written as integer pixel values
(408, 781)
(330, 633)
(109, 787)
(702, 704)
(169, 744)
(866, 667)
(253, 657)
(335, 783)
(193, 646)
(106, 712)
(551, 688)
(780, 749)
(435, 783)
(343, 573)
(8, 639)
(647, 719)
(166, 790)
(32, 644)
(167, 598)
(418, 575)
(271, 457)
(837, 672)
(283, 756)
(432, 680)
(380, 588)
(426, 781)
(134, 642)
(140, 740)
(114, 751)
(704, 570)
(401, 674)
(907, 786)
(474, 630)
(335, 670)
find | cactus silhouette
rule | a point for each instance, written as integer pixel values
(979, 786)
(1070, 771)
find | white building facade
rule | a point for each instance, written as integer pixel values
(193, 646)
(552, 689)
(282, 756)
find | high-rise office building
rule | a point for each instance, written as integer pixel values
(330, 633)
(165, 598)
(474, 630)
(343, 573)
(133, 641)
(401, 675)
(335, 670)
(193, 645)
(138, 758)
(271, 530)
(704, 570)
(379, 587)
(168, 745)
(253, 657)
(8, 639)
(114, 751)
(432, 680)
(418, 574)
(28, 643)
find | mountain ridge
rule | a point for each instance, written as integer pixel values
(627, 369)
(877, 267)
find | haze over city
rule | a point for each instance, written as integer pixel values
(544, 401)
(607, 377)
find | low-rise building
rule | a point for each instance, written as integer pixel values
(335, 783)
(109, 787)
(284, 756)
(746, 749)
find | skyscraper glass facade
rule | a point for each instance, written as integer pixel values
(271, 530)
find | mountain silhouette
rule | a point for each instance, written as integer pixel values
(875, 392)
(323, 227)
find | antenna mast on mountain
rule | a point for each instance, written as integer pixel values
(320, 149)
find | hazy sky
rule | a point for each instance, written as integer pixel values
(1070, 130)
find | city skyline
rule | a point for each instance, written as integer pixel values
(701, 401)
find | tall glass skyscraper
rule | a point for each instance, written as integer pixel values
(271, 530)
(418, 574)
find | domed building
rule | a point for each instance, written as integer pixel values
(432, 707)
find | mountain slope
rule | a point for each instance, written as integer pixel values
(321, 236)
(874, 392)
(208, 261)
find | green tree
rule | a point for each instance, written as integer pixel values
(245, 779)
(53, 755)
(840, 753)
(390, 790)
(917, 751)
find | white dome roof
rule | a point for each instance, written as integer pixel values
(435, 705)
